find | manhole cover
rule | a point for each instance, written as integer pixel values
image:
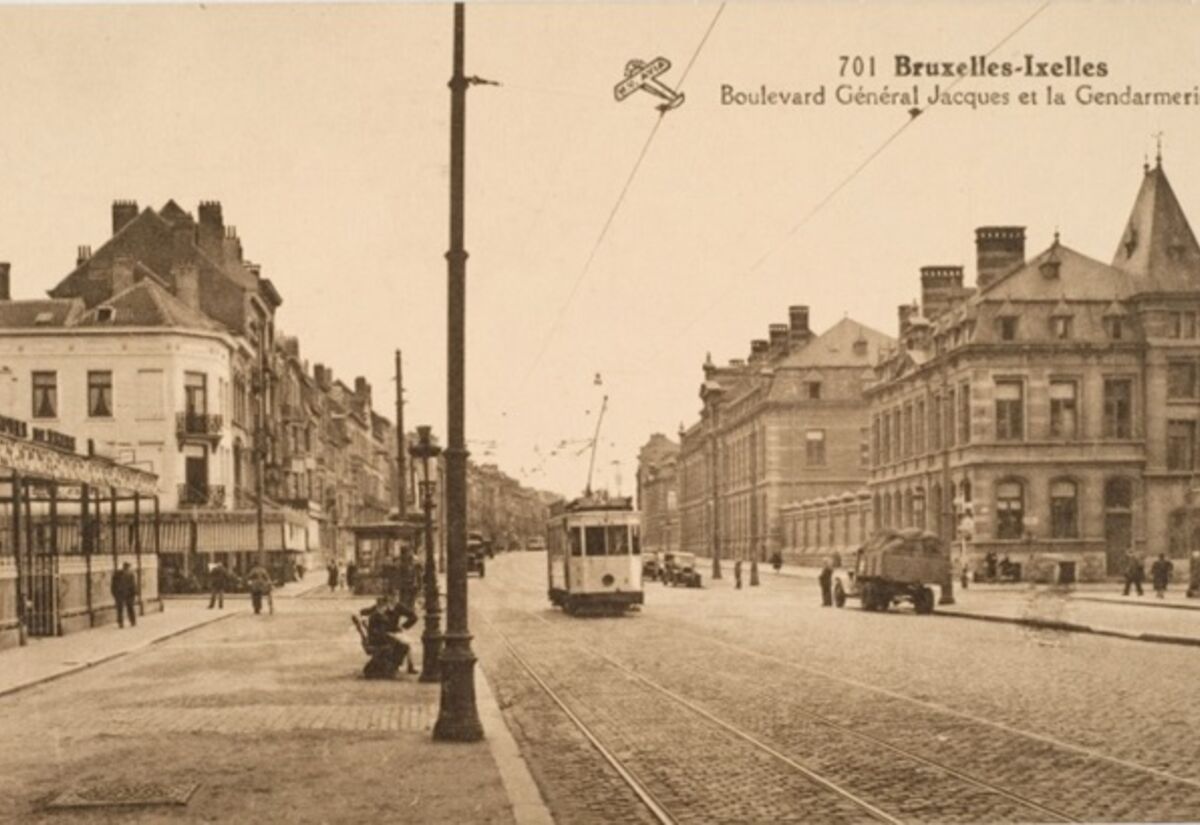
(114, 795)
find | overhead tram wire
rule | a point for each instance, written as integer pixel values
(833, 193)
(637, 165)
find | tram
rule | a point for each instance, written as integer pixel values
(594, 555)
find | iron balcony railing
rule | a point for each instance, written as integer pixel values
(210, 495)
(198, 425)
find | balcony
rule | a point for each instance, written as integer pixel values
(209, 496)
(192, 426)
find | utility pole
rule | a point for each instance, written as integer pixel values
(408, 593)
(260, 443)
(458, 716)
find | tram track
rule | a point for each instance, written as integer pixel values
(1026, 808)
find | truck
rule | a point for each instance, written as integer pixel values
(894, 566)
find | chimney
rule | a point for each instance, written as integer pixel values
(940, 288)
(798, 321)
(5, 285)
(233, 245)
(122, 213)
(122, 274)
(903, 313)
(363, 390)
(323, 376)
(211, 230)
(778, 336)
(758, 350)
(82, 255)
(187, 284)
(998, 249)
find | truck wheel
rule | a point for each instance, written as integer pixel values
(868, 596)
(839, 595)
(923, 601)
(883, 599)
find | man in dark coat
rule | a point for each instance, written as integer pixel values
(333, 575)
(1160, 574)
(1135, 574)
(125, 591)
(260, 585)
(218, 580)
(383, 623)
(826, 581)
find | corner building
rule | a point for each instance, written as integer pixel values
(1049, 414)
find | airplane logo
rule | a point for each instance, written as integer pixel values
(644, 76)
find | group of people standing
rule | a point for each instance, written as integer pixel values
(258, 580)
(1160, 574)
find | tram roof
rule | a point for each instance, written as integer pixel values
(585, 503)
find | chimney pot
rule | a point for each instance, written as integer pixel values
(798, 320)
(998, 250)
(82, 255)
(122, 213)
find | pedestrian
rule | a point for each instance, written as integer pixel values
(333, 575)
(125, 591)
(1135, 573)
(777, 560)
(989, 562)
(351, 575)
(217, 581)
(737, 574)
(1160, 574)
(826, 582)
(260, 585)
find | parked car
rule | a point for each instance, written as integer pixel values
(652, 566)
(680, 568)
(894, 566)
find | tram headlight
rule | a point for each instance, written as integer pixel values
(608, 580)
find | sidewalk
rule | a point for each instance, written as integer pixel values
(1086, 608)
(313, 579)
(42, 660)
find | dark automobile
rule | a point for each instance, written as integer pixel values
(477, 551)
(652, 566)
(680, 568)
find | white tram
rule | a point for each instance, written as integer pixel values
(594, 555)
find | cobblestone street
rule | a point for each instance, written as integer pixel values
(758, 705)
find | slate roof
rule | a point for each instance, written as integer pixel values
(146, 304)
(1158, 245)
(1080, 278)
(56, 312)
(835, 348)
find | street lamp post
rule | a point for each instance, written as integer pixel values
(431, 638)
(458, 717)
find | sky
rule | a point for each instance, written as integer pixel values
(324, 132)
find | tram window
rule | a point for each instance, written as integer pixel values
(576, 542)
(594, 541)
(636, 532)
(618, 541)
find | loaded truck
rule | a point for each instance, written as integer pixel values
(894, 566)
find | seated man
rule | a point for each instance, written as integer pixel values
(383, 625)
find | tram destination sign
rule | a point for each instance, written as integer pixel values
(16, 428)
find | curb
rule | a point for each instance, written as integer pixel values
(1153, 603)
(529, 808)
(1071, 627)
(41, 680)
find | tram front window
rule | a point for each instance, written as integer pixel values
(618, 541)
(594, 541)
(637, 539)
(576, 541)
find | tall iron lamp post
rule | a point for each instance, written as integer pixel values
(458, 717)
(431, 638)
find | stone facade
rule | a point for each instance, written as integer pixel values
(1049, 415)
(786, 424)
(658, 494)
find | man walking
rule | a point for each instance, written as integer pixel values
(217, 581)
(826, 582)
(1135, 574)
(1160, 574)
(737, 574)
(124, 591)
(332, 568)
(260, 585)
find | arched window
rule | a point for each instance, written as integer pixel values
(1010, 510)
(1064, 509)
(918, 508)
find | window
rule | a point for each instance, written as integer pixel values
(1181, 379)
(1007, 328)
(1060, 327)
(950, 428)
(618, 540)
(906, 416)
(1118, 494)
(875, 440)
(1181, 445)
(935, 423)
(1063, 419)
(636, 534)
(1118, 408)
(1181, 325)
(1010, 403)
(594, 541)
(1114, 326)
(864, 448)
(1063, 510)
(814, 443)
(100, 392)
(45, 395)
(1010, 510)
(814, 390)
(964, 414)
(918, 509)
(919, 426)
(576, 534)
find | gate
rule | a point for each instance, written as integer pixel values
(40, 588)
